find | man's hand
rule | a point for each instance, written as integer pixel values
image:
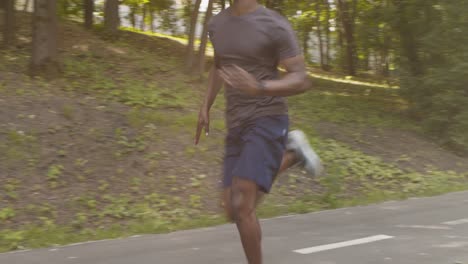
(203, 122)
(239, 79)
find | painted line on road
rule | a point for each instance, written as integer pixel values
(433, 227)
(457, 222)
(349, 243)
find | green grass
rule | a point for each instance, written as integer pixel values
(181, 40)
(156, 214)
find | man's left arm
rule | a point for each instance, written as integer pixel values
(294, 82)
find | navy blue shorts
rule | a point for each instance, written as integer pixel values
(254, 151)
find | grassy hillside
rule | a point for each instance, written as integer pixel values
(107, 150)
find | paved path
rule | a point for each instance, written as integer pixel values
(416, 231)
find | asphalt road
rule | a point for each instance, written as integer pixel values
(417, 231)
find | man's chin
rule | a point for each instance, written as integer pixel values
(244, 3)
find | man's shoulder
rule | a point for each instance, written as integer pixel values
(273, 14)
(273, 18)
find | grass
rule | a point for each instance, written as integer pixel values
(181, 40)
(156, 215)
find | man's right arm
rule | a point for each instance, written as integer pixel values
(214, 85)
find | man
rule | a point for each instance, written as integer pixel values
(250, 42)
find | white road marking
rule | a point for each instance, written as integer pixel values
(457, 222)
(355, 242)
(394, 207)
(434, 227)
(453, 245)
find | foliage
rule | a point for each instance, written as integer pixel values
(438, 90)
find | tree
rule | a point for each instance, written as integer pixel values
(318, 26)
(190, 54)
(10, 25)
(44, 59)
(132, 15)
(303, 24)
(276, 5)
(327, 33)
(164, 8)
(408, 39)
(88, 13)
(26, 5)
(143, 18)
(151, 17)
(111, 16)
(204, 39)
(347, 22)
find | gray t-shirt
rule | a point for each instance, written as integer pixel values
(256, 42)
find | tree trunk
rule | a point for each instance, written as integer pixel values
(348, 35)
(9, 30)
(44, 60)
(319, 33)
(26, 5)
(193, 25)
(408, 40)
(133, 16)
(366, 61)
(340, 40)
(204, 40)
(89, 17)
(143, 18)
(151, 14)
(327, 33)
(111, 16)
(384, 53)
(223, 4)
(305, 43)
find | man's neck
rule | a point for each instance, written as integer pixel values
(239, 8)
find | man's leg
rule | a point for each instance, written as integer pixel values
(233, 212)
(289, 159)
(243, 203)
(226, 200)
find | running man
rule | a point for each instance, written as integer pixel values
(250, 42)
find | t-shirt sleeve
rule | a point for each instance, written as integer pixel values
(211, 32)
(286, 40)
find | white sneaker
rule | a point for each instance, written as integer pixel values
(308, 159)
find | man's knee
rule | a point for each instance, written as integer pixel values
(242, 203)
